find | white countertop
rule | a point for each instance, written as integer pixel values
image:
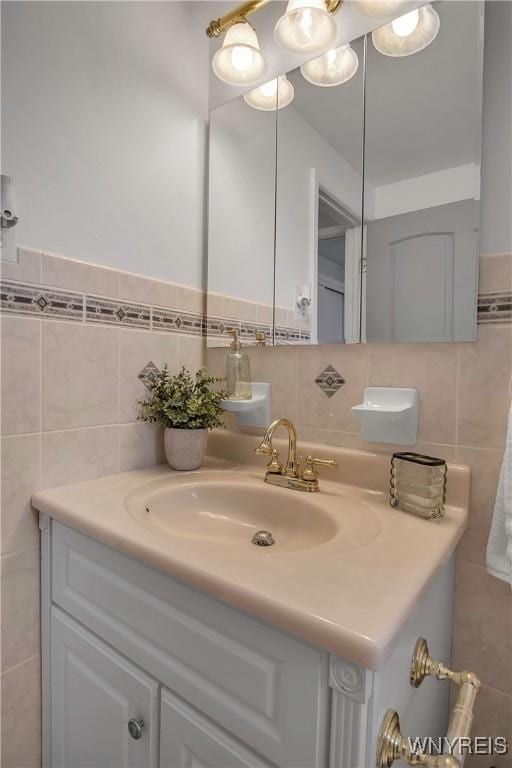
(352, 602)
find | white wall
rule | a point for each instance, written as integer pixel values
(104, 132)
(439, 188)
(301, 149)
(241, 223)
(496, 232)
(241, 202)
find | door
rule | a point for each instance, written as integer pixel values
(330, 313)
(191, 740)
(95, 694)
(421, 269)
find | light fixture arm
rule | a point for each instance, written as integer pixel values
(216, 27)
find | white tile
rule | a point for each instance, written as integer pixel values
(59, 272)
(21, 716)
(137, 349)
(140, 445)
(80, 375)
(192, 352)
(79, 454)
(20, 479)
(21, 375)
(147, 291)
(19, 573)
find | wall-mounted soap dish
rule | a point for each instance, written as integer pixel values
(389, 415)
(255, 412)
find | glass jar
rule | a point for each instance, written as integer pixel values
(418, 484)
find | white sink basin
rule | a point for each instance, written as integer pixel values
(205, 507)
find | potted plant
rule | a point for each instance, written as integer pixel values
(187, 407)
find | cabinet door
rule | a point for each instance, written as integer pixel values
(95, 693)
(190, 740)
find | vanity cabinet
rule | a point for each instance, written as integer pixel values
(95, 693)
(130, 652)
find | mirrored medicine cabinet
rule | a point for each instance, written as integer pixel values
(351, 212)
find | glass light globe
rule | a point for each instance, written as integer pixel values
(275, 94)
(395, 39)
(305, 28)
(406, 24)
(335, 67)
(377, 9)
(239, 61)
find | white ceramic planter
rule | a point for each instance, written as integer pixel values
(185, 448)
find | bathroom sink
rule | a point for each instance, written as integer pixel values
(226, 511)
(222, 511)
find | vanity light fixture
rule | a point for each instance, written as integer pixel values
(335, 67)
(275, 94)
(407, 34)
(239, 60)
(306, 27)
(377, 9)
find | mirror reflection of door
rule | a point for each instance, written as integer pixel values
(422, 174)
(333, 223)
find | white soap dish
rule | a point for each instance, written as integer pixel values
(389, 415)
(255, 412)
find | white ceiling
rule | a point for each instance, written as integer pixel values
(423, 111)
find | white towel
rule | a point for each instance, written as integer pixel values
(499, 546)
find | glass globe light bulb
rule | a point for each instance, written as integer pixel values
(377, 9)
(408, 34)
(269, 89)
(335, 67)
(241, 57)
(406, 24)
(305, 28)
(239, 61)
(275, 94)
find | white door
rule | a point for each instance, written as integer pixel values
(95, 694)
(190, 740)
(422, 288)
(330, 314)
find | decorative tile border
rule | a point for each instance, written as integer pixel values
(112, 312)
(287, 335)
(495, 307)
(23, 299)
(219, 327)
(59, 304)
(178, 321)
(249, 330)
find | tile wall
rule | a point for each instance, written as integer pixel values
(227, 312)
(74, 340)
(465, 393)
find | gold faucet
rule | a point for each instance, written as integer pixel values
(293, 476)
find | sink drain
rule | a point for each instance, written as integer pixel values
(263, 539)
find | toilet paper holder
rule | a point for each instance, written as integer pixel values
(391, 745)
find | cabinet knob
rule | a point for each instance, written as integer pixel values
(135, 728)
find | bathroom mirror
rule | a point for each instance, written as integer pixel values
(351, 213)
(422, 177)
(319, 207)
(241, 223)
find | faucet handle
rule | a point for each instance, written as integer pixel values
(274, 466)
(309, 472)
